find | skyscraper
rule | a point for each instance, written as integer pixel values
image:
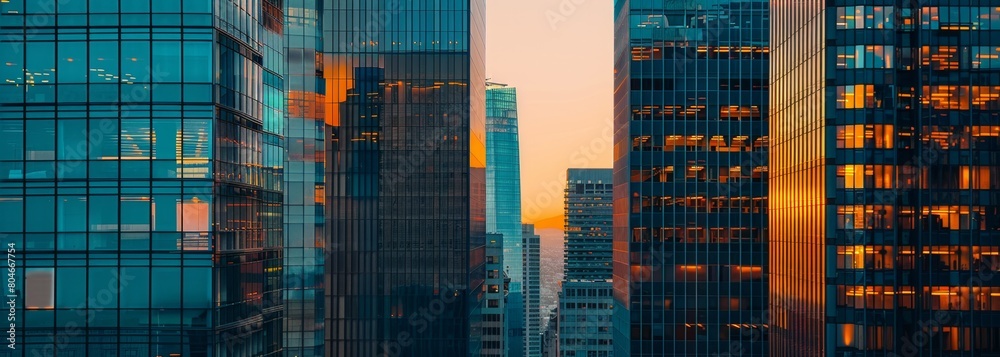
(588, 224)
(690, 177)
(406, 177)
(494, 331)
(503, 201)
(532, 291)
(141, 157)
(585, 302)
(305, 169)
(885, 188)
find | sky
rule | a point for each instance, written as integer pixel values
(559, 56)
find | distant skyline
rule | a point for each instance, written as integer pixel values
(559, 56)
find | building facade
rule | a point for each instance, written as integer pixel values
(550, 338)
(690, 177)
(885, 194)
(585, 302)
(406, 178)
(497, 284)
(305, 170)
(141, 176)
(503, 200)
(532, 291)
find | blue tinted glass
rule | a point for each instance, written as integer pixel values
(197, 62)
(167, 61)
(135, 289)
(133, 6)
(70, 285)
(40, 212)
(69, 218)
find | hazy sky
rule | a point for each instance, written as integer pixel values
(558, 54)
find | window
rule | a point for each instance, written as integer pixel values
(865, 17)
(865, 56)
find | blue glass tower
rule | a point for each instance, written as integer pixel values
(141, 176)
(406, 177)
(690, 219)
(503, 200)
(305, 171)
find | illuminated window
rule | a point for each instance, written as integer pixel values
(861, 96)
(865, 56)
(865, 17)
(865, 136)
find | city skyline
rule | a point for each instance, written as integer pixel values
(500, 178)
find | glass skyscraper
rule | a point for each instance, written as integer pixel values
(406, 177)
(503, 201)
(141, 173)
(885, 190)
(585, 302)
(305, 201)
(690, 163)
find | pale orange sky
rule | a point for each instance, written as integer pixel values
(558, 54)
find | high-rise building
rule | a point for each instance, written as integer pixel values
(885, 188)
(141, 163)
(305, 163)
(497, 283)
(532, 291)
(406, 177)
(587, 245)
(503, 201)
(690, 177)
(585, 301)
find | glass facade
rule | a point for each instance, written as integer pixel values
(305, 170)
(885, 195)
(141, 172)
(406, 177)
(532, 291)
(585, 302)
(503, 199)
(497, 283)
(690, 174)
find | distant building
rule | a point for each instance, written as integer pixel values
(532, 291)
(503, 201)
(496, 293)
(585, 302)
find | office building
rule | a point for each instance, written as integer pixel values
(532, 291)
(690, 177)
(587, 230)
(496, 294)
(885, 195)
(503, 200)
(406, 178)
(585, 302)
(141, 176)
(305, 169)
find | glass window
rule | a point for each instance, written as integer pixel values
(70, 282)
(72, 139)
(13, 214)
(12, 145)
(167, 59)
(104, 62)
(69, 216)
(135, 62)
(197, 287)
(102, 287)
(103, 213)
(40, 213)
(134, 287)
(165, 293)
(198, 61)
